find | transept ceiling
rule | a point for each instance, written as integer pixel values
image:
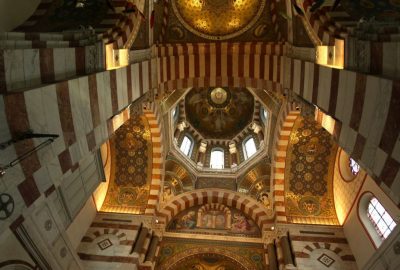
(184, 21)
(218, 19)
(131, 150)
(309, 174)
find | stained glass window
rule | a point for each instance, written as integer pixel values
(355, 168)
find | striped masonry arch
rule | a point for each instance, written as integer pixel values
(246, 204)
(151, 112)
(255, 64)
(285, 125)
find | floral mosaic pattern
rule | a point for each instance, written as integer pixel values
(179, 254)
(309, 173)
(131, 167)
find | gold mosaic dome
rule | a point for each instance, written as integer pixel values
(218, 19)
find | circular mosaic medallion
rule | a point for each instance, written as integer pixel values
(219, 97)
(127, 196)
(309, 206)
(218, 19)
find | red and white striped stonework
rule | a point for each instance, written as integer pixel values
(366, 110)
(284, 126)
(248, 205)
(84, 112)
(124, 32)
(121, 231)
(154, 119)
(256, 64)
(313, 245)
(22, 69)
(324, 25)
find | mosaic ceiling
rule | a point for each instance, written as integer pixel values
(177, 179)
(219, 113)
(204, 20)
(183, 254)
(309, 174)
(218, 19)
(129, 186)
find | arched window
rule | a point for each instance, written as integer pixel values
(187, 145)
(380, 218)
(354, 167)
(175, 113)
(249, 147)
(263, 115)
(217, 158)
(375, 218)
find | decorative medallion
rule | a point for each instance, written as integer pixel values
(219, 97)
(106, 243)
(326, 260)
(6, 206)
(309, 206)
(218, 19)
(48, 225)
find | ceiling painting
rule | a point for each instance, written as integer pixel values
(256, 180)
(218, 19)
(131, 150)
(179, 254)
(177, 179)
(215, 219)
(309, 174)
(204, 20)
(219, 113)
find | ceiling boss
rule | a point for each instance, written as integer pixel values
(218, 19)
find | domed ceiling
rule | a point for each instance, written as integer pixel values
(219, 113)
(218, 19)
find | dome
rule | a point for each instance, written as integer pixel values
(218, 19)
(219, 113)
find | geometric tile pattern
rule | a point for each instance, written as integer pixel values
(106, 243)
(326, 260)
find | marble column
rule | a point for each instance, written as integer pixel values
(287, 254)
(179, 129)
(279, 253)
(272, 258)
(140, 240)
(151, 252)
(233, 153)
(202, 153)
